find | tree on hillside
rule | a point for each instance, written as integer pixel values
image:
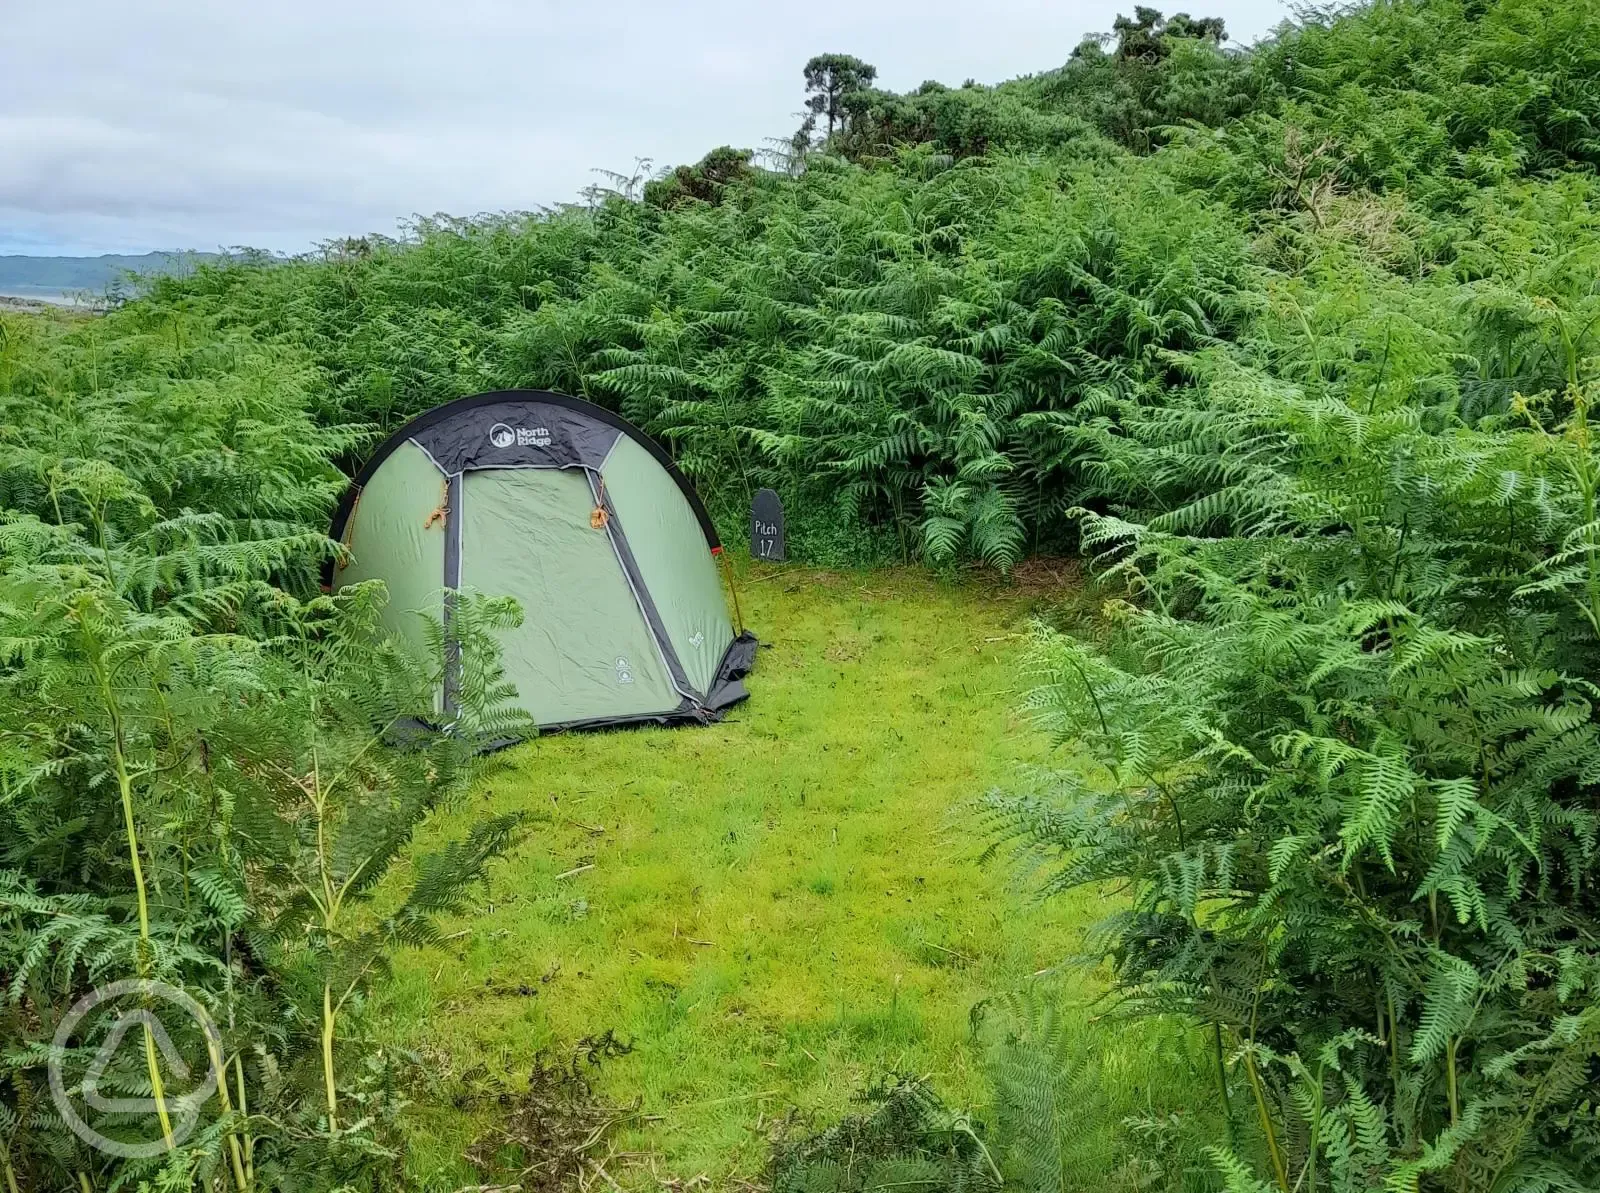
(1144, 36)
(703, 182)
(829, 79)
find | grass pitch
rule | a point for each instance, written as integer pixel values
(774, 910)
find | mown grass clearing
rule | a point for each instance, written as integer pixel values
(775, 909)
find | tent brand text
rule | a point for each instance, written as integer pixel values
(503, 436)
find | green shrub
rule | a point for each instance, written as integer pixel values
(1341, 754)
(908, 1137)
(198, 777)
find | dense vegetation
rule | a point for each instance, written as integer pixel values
(197, 788)
(1300, 342)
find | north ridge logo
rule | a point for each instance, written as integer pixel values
(502, 435)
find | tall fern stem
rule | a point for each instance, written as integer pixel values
(244, 1111)
(1280, 1167)
(125, 789)
(329, 1087)
(1450, 1078)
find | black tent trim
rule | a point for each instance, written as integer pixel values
(439, 414)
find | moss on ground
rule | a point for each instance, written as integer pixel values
(774, 909)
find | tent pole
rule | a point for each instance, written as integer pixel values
(727, 566)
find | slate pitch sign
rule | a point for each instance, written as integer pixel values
(766, 527)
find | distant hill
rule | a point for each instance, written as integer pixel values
(58, 278)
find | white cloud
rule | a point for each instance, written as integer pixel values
(199, 123)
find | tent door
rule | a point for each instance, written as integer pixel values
(584, 651)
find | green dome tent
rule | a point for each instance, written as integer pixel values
(581, 517)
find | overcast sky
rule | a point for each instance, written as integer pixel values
(128, 125)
